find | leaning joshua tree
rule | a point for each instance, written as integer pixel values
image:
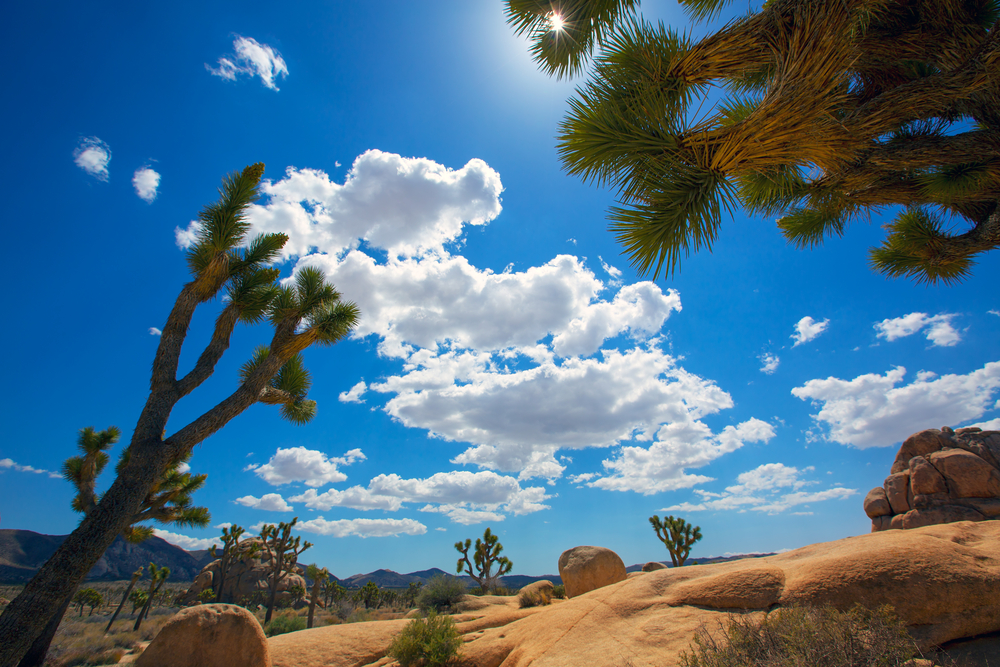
(831, 110)
(678, 536)
(222, 261)
(486, 554)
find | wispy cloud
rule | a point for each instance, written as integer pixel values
(807, 329)
(153, 331)
(770, 362)
(146, 181)
(8, 464)
(251, 57)
(93, 155)
(355, 393)
(185, 542)
(939, 330)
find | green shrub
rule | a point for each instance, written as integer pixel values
(431, 641)
(287, 621)
(440, 593)
(534, 599)
(817, 637)
(559, 591)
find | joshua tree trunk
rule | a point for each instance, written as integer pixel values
(131, 585)
(35, 656)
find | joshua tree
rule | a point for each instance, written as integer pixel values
(221, 261)
(230, 549)
(138, 599)
(677, 535)
(318, 575)
(135, 577)
(486, 554)
(836, 109)
(88, 597)
(157, 577)
(283, 551)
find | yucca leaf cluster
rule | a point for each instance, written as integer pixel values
(830, 110)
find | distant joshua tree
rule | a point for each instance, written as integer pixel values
(677, 535)
(283, 551)
(318, 575)
(486, 554)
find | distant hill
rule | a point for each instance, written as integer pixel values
(390, 579)
(700, 561)
(22, 552)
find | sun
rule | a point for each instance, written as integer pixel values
(556, 22)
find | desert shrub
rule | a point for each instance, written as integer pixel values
(433, 640)
(207, 596)
(284, 622)
(817, 637)
(440, 593)
(559, 591)
(534, 599)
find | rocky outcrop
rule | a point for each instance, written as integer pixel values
(221, 635)
(939, 476)
(583, 569)
(543, 587)
(247, 579)
(653, 565)
(943, 581)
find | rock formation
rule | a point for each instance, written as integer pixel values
(583, 569)
(653, 565)
(221, 635)
(942, 580)
(248, 576)
(544, 587)
(939, 477)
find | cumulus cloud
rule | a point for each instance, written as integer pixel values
(362, 527)
(185, 542)
(991, 425)
(807, 329)
(252, 58)
(772, 488)
(939, 330)
(355, 497)
(146, 181)
(464, 515)
(770, 362)
(93, 155)
(9, 464)
(298, 464)
(354, 394)
(872, 411)
(271, 502)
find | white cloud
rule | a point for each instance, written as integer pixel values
(871, 411)
(355, 393)
(991, 425)
(271, 502)
(939, 330)
(298, 464)
(770, 362)
(355, 497)
(146, 181)
(93, 155)
(680, 446)
(183, 467)
(807, 329)
(254, 59)
(185, 542)
(225, 524)
(994, 312)
(362, 527)
(464, 515)
(9, 464)
(153, 331)
(763, 490)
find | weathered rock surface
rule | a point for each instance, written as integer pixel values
(221, 635)
(543, 586)
(248, 576)
(653, 565)
(939, 476)
(943, 580)
(584, 569)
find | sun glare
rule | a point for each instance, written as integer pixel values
(556, 22)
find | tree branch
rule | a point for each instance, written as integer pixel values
(224, 326)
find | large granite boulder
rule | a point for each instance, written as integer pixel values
(939, 476)
(247, 578)
(221, 635)
(584, 569)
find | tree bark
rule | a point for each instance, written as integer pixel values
(121, 604)
(35, 657)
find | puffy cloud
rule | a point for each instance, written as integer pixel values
(871, 411)
(9, 464)
(153, 331)
(355, 497)
(770, 362)
(807, 329)
(763, 489)
(680, 446)
(362, 527)
(298, 464)
(355, 393)
(271, 502)
(183, 467)
(464, 515)
(251, 58)
(991, 425)
(146, 181)
(939, 330)
(93, 155)
(185, 542)
(460, 486)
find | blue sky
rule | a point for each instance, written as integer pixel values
(509, 370)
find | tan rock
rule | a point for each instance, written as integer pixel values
(543, 586)
(925, 478)
(968, 475)
(652, 566)
(221, 635)
(248, 577)
(897, 490)
(876, 504)
(881, 523)
(919, 444)
(939, 514)
(584, 569)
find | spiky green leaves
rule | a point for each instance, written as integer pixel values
(287, 388)
(564, 33)
(82, 471)
(918, 248)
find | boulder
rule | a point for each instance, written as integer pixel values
(939, 476)
(543, 586)
(584, 569)
(247, 578)
(221, 635)
(653, 566)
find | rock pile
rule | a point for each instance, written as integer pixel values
(939, 476)
(248, 577)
